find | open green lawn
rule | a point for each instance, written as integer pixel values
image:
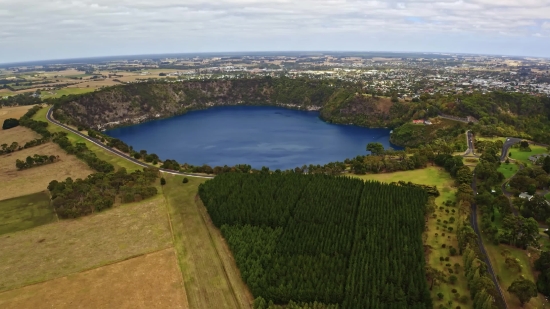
(210, 275)
(508, 170)
(547, 196)
(523, 156)
(65, 91)
(432, 176)
(25, 212)
(117, 161)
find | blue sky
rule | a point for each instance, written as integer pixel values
(53, 29)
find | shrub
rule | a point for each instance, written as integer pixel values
(443, 245)
(453, 290)
(10, 123)
(162, 181)
(440, 295)
(185, 180)
(452, 251)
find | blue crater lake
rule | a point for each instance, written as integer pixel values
(255, 135)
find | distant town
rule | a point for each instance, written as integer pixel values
(405, 76)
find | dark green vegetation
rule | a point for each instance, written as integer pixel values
(10, 123)
(446, 131)
(524, 289)
(35, 160)
(506, 114)
(543, 266)
(20, 99)
(25, 212)
(99, 191)
(320, 238)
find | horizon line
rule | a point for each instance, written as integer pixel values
(245, 53)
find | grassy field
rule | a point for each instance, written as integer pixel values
(19, 134)
(523, 156)
(508, 170)
(25, 212)
(547, 196)
(432, 176)
(117, 161)
(435, 176)
(506, 275)
(69, 246)
(66, 91)
(210, 275)
(470, 161)
(147, 281)
(17, 183)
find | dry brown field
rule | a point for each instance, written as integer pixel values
(148, 281)
(70, 246)
(94, 84)
(19, 134)
(16, 183)
(13, 112)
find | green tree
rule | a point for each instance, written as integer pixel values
(524, 144)
(464, 175)
(162, 181)
(524, 289)
(546, 164)
(520, 231)
(543, 266)
(185, 180)
(10, 123)
(375, 148)
(259, 303)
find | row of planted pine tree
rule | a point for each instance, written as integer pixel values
(334, 240)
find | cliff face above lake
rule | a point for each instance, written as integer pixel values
(337, 101)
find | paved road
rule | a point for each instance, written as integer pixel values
(109, 149)
(470, 142)
(474, 223)
(507, 144)
(464, 120)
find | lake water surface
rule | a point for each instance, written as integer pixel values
(255, 135)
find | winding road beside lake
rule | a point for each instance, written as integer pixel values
(109, 149)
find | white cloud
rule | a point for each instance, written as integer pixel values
(101, 27)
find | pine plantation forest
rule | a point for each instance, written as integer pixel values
(305, 238)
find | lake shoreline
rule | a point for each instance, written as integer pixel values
(273, 136)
